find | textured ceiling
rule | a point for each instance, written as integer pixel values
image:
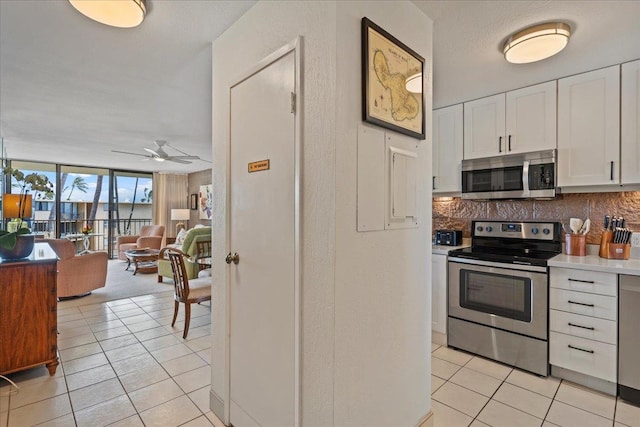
(468, 38)
(71, 90)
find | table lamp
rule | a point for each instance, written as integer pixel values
(11, 209)
(180, 215)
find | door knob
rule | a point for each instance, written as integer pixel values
(235, 258)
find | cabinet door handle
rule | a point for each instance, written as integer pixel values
(499, 144)
(509, 142)
(612, 170)
(581, 349)
(433, 183)
(581, 281)
(581, 303)
(591, 328)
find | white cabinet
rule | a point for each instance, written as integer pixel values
(439, 298)
(589, 128)
(583, 322)
(531, 118)
(518, 121)
(447, 149)
(484, 121)
(630, 123)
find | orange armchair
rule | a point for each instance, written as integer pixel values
(150, 237)
(78, 274)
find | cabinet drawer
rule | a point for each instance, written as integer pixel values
(602, 306)
(583, 326)
(581, 355)
(594, 282)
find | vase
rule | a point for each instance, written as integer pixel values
(22, 249)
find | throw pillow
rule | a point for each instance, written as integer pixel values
(180, 237)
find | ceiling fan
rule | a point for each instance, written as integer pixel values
(158, 154)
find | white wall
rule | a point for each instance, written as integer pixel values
(365, 296)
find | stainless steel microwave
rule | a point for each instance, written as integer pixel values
(512, 176)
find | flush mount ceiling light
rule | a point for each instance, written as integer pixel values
(414, 83)
(116, 13)
(537, 42)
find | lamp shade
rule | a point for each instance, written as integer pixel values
(180, 214)
(537, 42)
(11, 206)
(116, 13)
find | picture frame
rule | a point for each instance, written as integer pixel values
(387, 63)
(206, 202)
(194, 202)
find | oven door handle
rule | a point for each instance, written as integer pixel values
(506, 266)
(526, 192)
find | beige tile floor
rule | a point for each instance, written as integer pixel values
(121, 364)
(467, 390)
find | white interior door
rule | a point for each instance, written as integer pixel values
(262, 233)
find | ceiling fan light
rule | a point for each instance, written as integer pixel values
(537, 42)
(158, 159)
(116, 13)
(414, 83)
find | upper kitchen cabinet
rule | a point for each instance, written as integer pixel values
(630, 123)
(518, 121)
(447, 149)
(589, 128)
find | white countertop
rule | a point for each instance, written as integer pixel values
(444, 250)
(595, 263)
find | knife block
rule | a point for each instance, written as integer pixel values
(619, 250)
(607, 237)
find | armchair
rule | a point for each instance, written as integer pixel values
(150, 237)
(190, 248)
(78, 274)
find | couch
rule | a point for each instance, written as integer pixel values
(189, 246)
(150, 237)
(78, 274)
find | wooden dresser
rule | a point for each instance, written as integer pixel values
(28, 312)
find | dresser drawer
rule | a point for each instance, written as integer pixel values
(594, 282)
(604, 307)
(592, 358)
(587, 327)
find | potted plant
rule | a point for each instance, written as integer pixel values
(18, 243)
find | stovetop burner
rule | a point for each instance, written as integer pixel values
(528, 243)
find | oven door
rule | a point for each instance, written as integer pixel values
(504, 296)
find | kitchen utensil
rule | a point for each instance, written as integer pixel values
(575, 224)
(586, 226)
(607, 220)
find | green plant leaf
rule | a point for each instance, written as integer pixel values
(8, 240)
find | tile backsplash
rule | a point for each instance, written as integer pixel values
(455, 213)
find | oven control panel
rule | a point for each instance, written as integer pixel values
(515, 230)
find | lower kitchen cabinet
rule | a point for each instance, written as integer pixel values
(583, 327)
(439, 298)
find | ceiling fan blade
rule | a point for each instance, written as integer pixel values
(130, 153)
(153, 152)
(176, 160)
(184, 157)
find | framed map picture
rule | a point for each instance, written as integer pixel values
(387, 65)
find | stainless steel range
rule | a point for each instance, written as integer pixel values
(498, 292)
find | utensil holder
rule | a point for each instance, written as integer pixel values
(607, 237)
(575, 244)
(619, 250)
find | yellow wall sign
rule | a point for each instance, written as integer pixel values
(260, 165)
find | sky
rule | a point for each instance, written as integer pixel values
(126, 187)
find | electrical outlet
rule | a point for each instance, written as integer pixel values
(635, 240)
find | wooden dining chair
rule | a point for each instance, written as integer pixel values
(203, 257)
(186, 291)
